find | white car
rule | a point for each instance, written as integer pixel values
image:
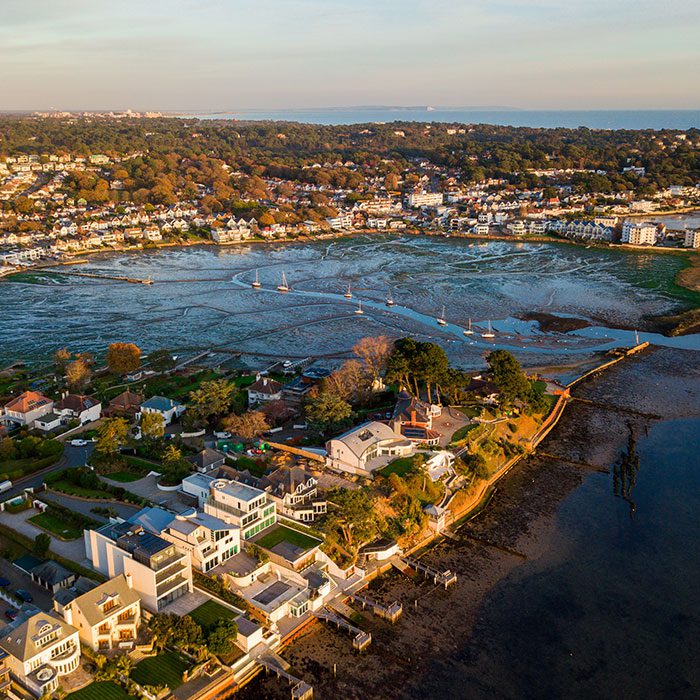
(222, 435)
(79, 443)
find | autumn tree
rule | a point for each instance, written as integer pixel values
(247, 426)
(61, 358)
(78, 374)
(123, 358)
(152, 426)
(211, 399)
(351, 382)
(111, 434)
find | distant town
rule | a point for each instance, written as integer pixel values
(56, 203)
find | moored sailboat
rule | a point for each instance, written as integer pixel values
(283, 287)
(489, 333)
(441, 318)
(468, 330)
(348, 294)
(256, 282)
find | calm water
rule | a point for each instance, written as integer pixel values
(593, 119)
(617, 615)
(202, 298)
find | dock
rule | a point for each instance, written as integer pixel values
(360, 639)
(300, 689)
(100, 276)
(446, 577)
(390, 612)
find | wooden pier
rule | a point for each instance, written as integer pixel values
(300, 689)
(446, 577)
(361, 639)
(387, 612)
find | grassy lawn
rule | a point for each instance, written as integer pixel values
(56, 526)
(286, 534)
(400, 466)
(100, 690)
(75, 490)
(164, 668)
(242, 463)
(460, 434)
(209, 613)
(124, 477)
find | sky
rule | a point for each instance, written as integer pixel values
(228, 55)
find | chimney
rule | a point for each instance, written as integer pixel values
(68, 614)
(129, 581)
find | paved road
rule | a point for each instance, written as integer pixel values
(72, 457)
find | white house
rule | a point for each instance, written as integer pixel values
(692, 239)
(41, 649)
(425, 199)
(26, 408)
(638, 233)
(264, 389)
(168, 408)
(295, 493)
(84, 409)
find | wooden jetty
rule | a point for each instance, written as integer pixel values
(361, 639)
(446, 577)
(300, 689)
(387, 612)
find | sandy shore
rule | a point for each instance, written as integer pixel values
(519, 526)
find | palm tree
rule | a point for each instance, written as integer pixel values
(125, 665)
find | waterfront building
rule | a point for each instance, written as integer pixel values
(160, 573)
(40, 648)
(106, 617)
(692, 239)
(366, 448)
(424, 199)
(84, 409)
(638, 233)
(413, 419)
(295, 493)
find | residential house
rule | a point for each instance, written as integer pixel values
(107, 617)
(168, 408)
(207, 460)
(26, 408)
(46, 573)
(367, 447)
(692, 239)
(264, 389)
(5, 681)
(413, 419)
(127, 404)
(84, 409)
(295, 493)
(40, 650)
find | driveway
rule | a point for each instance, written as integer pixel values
(73, 549)
(18, 579)
(124, 510)
(448, 424)
(148, 488)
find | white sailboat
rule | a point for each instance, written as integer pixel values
(468, 330)
(348, 294)
(441, 318)
(359, 310)
(489, 333)
(255, 284)
(283, 287)
(389, 299)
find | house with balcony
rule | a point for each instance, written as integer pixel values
(40, 648)
(26, 408)
(5, 681)
(413, 419)
(107, 617)
(160, 572)
(295, 493)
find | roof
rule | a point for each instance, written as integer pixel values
(188, 523)
(52, 573)
(20, 637)
(76, 403)
(126, 399)
(360, 439)
(238, 490)
(266, 385)
(28, 401)
(206, 458)
(160, 403)
(27, 562)
(405, 407)
(90, 603)
(153, 519)
(285, 480)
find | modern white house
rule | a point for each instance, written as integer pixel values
(107, 617)
(168, 408)
(249, 509)
(41, 648)
(424, 199)
(159, 572)
(366, 448)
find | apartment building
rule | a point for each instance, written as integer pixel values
(424, 199)
(160, 573)
(692, 239)
(638, 233)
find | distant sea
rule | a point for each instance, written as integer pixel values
(593, 119)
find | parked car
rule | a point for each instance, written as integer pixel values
(222, 435)
(4, 582)
(11, 614)
(78, 443)
(23, 595)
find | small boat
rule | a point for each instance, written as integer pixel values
(348, 294)
(468, 330)
(255, 284)
(148, 280)
(359, 310)
(489, 333)
(441, 319)
(389, 299)
(283, 287)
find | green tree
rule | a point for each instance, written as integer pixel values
(508, 376)
(42, 542)
(160, 360)
(221, 639)
(327, 410)
(211, 399)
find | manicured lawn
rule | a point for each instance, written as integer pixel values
(462, 432)
(164, 668)
(124, 477)
(57, 526)
(100, 690)
(75, 490)
(286, 534)
(209, 613)
(400, 466)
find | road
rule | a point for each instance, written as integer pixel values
(72, 457)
